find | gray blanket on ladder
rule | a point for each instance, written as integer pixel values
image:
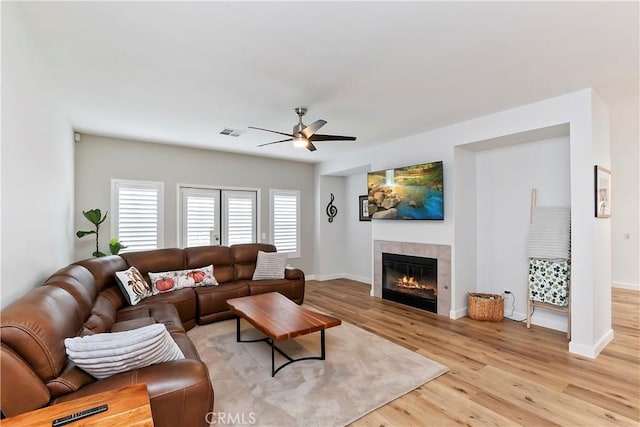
(549, 233)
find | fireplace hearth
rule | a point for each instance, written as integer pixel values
(410, 280)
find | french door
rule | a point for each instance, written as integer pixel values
(210, 216)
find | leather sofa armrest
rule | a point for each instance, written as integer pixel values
(21, 389)
(293, 274)
(180, 391)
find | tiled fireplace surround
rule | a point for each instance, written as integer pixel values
(440, 252)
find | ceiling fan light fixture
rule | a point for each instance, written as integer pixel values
(302, 135)
(299, 141)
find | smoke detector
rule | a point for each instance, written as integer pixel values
(231, 132)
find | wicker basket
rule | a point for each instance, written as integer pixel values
(485, 306)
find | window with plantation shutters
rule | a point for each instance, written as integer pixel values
(136, 209)
(285, 221)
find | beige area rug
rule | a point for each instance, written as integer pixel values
(361, 373)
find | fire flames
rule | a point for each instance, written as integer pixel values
(412, 283)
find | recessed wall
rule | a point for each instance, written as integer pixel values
(505, 178)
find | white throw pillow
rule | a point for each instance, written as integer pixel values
(107, 354)
(171, 280)
(270, 265)
(133, 286)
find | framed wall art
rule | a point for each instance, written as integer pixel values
(363, 204)
(602, 190)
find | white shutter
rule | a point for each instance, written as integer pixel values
(200, 217)
(285, 223)
(239, 219)
(137, 207)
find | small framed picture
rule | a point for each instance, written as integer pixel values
(602, 192)
(364, 208)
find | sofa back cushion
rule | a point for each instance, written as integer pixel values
(80, 283)
(104, 269)
(155, 261)
(244, 258)
(219, 256)
(35, 326)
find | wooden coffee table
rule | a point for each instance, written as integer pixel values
(280, 319)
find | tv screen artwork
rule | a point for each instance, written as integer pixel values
(411, 192)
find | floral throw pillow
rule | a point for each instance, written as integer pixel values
(133, 286)
(171, 280)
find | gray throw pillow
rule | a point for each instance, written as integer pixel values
(270, 265)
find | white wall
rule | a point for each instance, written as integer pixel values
(330, 236)
(505, 177)
(37, 165)
(358, 245)
(465, 262)
(625, 181)
(588, 146)
(99, 159)
(602, 332)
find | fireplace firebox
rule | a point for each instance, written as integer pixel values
(410, 280)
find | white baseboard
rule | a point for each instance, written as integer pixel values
(591, 351)
(519, 317)
(458, 314)
(357, 278)
(324, 277)
(555, 324)
(623, 285)
(330, 277)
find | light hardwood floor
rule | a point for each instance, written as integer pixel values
(500, 373)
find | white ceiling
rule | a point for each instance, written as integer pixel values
(179, 72)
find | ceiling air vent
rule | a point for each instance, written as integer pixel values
(232, 132)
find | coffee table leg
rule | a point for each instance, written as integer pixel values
(275, 348)
(273, 357)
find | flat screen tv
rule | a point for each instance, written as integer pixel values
(410, 192)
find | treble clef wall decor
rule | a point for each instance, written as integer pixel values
(331, 210)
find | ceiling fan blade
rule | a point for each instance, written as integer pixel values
(310, 146)
(313, 128)
(319, 137)
(275, 142)
(273, 131)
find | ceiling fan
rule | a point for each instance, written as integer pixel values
(305, 136)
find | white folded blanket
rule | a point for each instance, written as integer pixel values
(549, 233)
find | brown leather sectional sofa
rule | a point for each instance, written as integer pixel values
(83, 298)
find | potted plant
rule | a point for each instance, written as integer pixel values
(94, 216)
(115, 246)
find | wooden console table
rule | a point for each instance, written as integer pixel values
(128, 407)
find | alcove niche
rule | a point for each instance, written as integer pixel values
(493, 183)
